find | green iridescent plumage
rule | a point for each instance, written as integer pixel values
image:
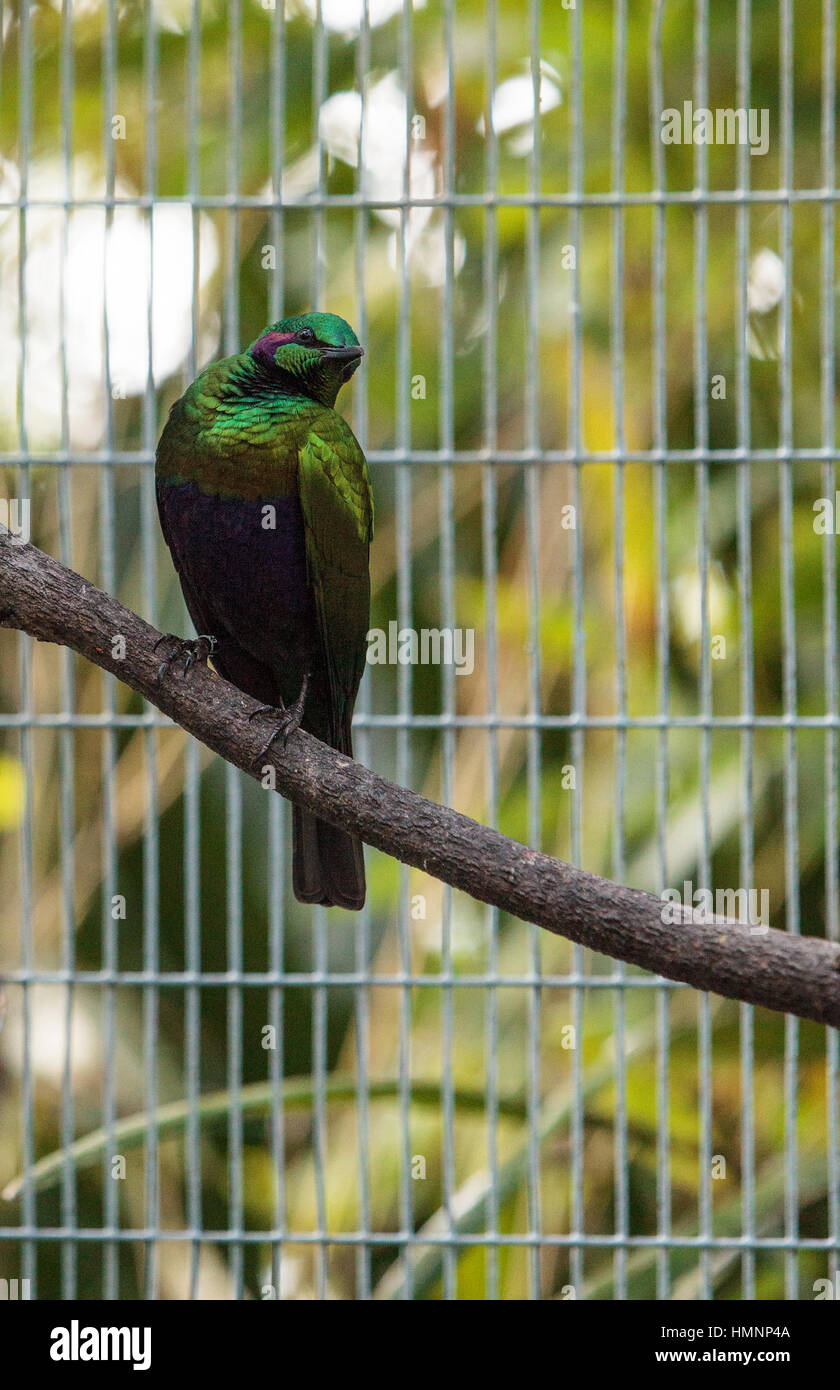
(265, 503)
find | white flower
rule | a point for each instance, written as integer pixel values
(766, 283)
(146, 286)
(686, 596)
(512, 107)
(345, 16)
(380, 123)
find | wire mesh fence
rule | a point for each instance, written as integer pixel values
(598, 406)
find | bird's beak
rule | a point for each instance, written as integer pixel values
(351, 353)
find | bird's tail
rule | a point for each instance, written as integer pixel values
(328, 865)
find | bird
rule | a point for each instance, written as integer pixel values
(265, 503)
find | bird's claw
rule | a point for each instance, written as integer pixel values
(287, 720)
(193, 650)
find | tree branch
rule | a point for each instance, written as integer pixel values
(799, 975)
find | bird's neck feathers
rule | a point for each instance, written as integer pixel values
(250, 381)
(320, 386)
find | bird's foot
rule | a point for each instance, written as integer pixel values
(191, 650)
(287, 719)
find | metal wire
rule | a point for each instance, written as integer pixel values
(147, 1227)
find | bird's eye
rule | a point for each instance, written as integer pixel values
(306, 336)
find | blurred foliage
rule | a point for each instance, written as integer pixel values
(198, 853)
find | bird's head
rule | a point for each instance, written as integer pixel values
(318, 351)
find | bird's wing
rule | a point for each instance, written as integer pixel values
(230, 658)
(197, 610)
(337, 510)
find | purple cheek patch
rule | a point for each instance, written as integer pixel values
(266, 346)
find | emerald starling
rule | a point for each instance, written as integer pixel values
(265, 503)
